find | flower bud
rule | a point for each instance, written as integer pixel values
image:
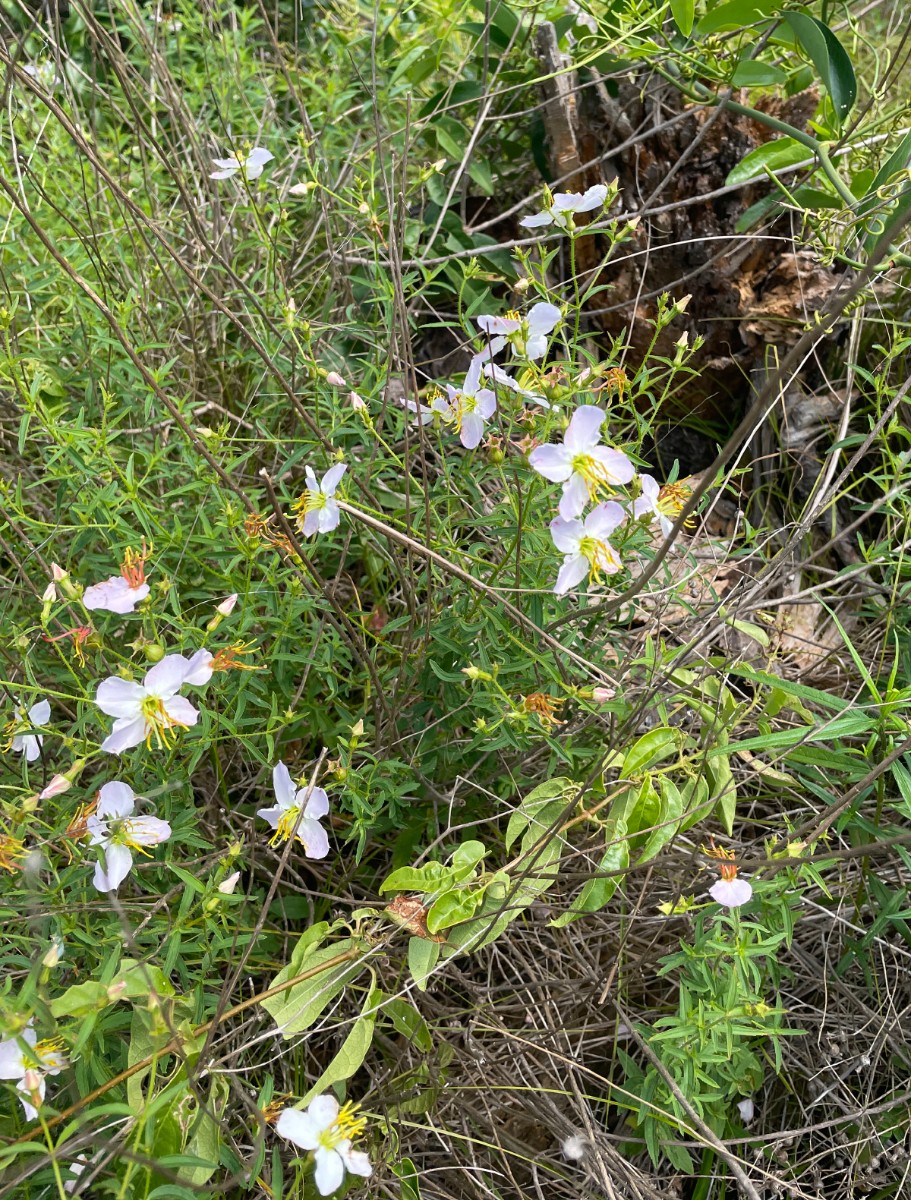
(54, 954)
(356, 402)
(227, 886)
(153, 652)
(58, 785)
(335, 379)
(72, 591)
(475, 674)
(601, 695)
(680, 305)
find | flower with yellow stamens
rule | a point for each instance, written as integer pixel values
(117, 832)
(585, 468)
(327, 1132)
(467, 408)
(152, 711)
(316, 510)
(585, 546)
(286, 817)
(121, 593)
(27, 1061)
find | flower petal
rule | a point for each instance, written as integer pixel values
(283, 786)
(357, 1162)
(616, 466)
(180, 709)
(259, 156)
(118, 861)
(114, 595)
(573, 571)
(40, 713)
(317, 805)
(584, 431)
(553, 462)
(332, 478)
(330, 1171)
(575, 497)
(313, 838)
(115, 800)
(543, 318)
(166, 677)
(498, 325)
(272, 815)
(566, 535)
(120, 697)
(299, 1127)
(199, 667)
(537, 220)
(12, 1057)
(148, 831)
(329, 516)
(731, 893)
(323, 1109)
(227, 164)
(472, 430)
(604, 519)
(125, 734)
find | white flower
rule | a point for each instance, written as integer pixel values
(563, 205)
(582, 464)
(121, 593)
(251, 165)
(585, 545)
(283, 817)
(113, 827)
(317, 511)
(729, 891)
(747, 1109)
(28, 1066)
(53, 954)
(151, 710)
(498, 375)
(527, 335)
(30, 744)
(467, 407)
(328, 1133)
(227, 886)
(650, 502)
(423, 412)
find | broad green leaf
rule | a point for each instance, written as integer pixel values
(432, 877)
(670, 815)
(466, 858)
(772, 156)
(650, 749)
(683, 12)
(204, 1135)
(409, 1182)
(353, 1050)
(423, 956)
(141, 979)
(407, 1021)
(82, 999)
(829, 58)
(531, 809)
(599, 890)
(452, 907)
(750, 73)
(735, 15)
(297, 1008)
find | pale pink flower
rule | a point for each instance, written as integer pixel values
(30, 744)
(585, 546)
(121, 593)
(528, 335)
(283, 817)
(28, 1065)
(250, 165)
(317, 509)
(152, 710)
(563, 205)
(582, 464)
(468, 407)
(117, 832)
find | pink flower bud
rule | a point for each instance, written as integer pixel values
(50, 594)
(58, 785)
(227, 886)
(227, 606)
(58, 573)
(335, 379)
(601, 695)
(356, 402)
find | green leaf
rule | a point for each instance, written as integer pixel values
(451, 908)
(532, 809)
(407, 1021)
(735, 15)
(423, 956)
(353, 1049)
(683, 12)
(432, 877)
(141, 979)
(82, 999)
(670, 815)
(297, 1008)
(466, 858)
(897, 161)
(650, 749)
(749, 73)
(724, 791)
(772, 156)
(599, 890)
(829, 58)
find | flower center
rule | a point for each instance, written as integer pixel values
(596, 475)
(459, 408)
(49, 1054)
(671, 498)
(122, 833)
(133, 566)
(347, 1127)
(159, 723)
(287, 823)
(600, 555)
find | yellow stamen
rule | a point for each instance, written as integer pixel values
(596, 475)
(601, 557)
(285, 827)
(133, 566)
(346, 1126)
(159, 723)
(12, 850)
(226, 658)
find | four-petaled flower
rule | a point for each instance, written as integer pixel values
(251, 165)
(283, 817)
(317, 510)
(563, 205)
(150, 711)
(121, 593)
(585, 545)
(527, 335)
(328, 1132)
(28, 1064)
(582, 464)
(29, 744)
(113, 827)
(467, 407)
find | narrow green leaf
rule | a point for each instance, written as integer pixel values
(353, 1050)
